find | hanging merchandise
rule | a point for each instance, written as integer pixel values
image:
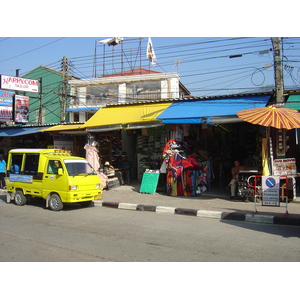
(185, 174)
(93, 158)
(92, 155)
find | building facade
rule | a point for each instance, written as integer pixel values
(45, 107)
(133, 86)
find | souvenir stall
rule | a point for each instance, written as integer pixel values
(185, 174)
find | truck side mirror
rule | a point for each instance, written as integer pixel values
(59, 171)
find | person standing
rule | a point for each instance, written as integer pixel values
(234, 173)
(125, 168)
(2, 172)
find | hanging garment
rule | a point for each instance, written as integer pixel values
(188, 183)
(92, 156)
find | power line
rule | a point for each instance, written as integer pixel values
(208, 53)
(32, 50)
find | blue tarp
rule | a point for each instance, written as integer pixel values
(189, 112)
(83, 108)
(5, 132)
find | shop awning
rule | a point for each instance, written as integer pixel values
(6, 132)
(82, 108)
(126, 114)
(190, 112)
(293, 101)
(62, 127)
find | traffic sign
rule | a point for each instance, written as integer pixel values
(270, 190)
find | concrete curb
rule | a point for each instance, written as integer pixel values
(255, 218)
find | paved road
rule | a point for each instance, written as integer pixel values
(33, 233)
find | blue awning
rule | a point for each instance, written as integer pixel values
(82, 108)
(189, 112)
(6, 132)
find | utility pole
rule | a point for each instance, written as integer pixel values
(64, 89)
(40, 119)
(276, 41)
(280, 133)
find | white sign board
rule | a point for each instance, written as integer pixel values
(19, 84)
(270, 190)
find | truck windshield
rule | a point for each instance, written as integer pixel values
(79, 167)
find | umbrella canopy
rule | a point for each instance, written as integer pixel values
(272, 116)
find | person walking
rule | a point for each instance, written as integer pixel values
(234, 173)
(2, 172)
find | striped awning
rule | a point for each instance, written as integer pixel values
(272, 116)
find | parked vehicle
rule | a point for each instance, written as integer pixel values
(53, 175)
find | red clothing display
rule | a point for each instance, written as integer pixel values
(185, 175)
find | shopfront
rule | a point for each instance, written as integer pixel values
(208, 130)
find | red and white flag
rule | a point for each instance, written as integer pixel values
(150, 52)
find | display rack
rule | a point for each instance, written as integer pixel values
(149, 149)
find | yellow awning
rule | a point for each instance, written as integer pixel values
(62, 127)
(126, 114)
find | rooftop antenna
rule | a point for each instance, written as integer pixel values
(176, 64)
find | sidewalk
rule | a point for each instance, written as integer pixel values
(213, 204)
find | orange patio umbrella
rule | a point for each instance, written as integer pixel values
(272, 116)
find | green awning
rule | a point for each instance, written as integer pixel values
(293, 102)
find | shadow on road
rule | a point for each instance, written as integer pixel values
(42, 204)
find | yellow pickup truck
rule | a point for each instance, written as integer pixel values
(53, 175)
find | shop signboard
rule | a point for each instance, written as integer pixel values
(19, 84)
(6, 101)
(285, 167)
(270, 190)
(21, 109)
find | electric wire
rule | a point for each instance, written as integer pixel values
(32, 50)
(202, 50)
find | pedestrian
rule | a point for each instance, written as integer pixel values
(2, 172)
(125, 168)
(234, 173)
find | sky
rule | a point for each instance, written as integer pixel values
(207, 65)
(196, 42)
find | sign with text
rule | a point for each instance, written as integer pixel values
(21, 109)
(270, 190)
(6, 102)
(285, 166)
(19, 84)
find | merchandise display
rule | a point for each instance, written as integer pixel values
(186, 174)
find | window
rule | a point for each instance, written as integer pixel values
(148, 90)
(53, 166)
(31, 163)
(16, 163)
(78, 167)
(102, 94)
(76, 117)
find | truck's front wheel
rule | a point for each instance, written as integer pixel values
(55, 202)
(20, 198)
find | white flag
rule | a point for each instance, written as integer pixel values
(150, 52)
